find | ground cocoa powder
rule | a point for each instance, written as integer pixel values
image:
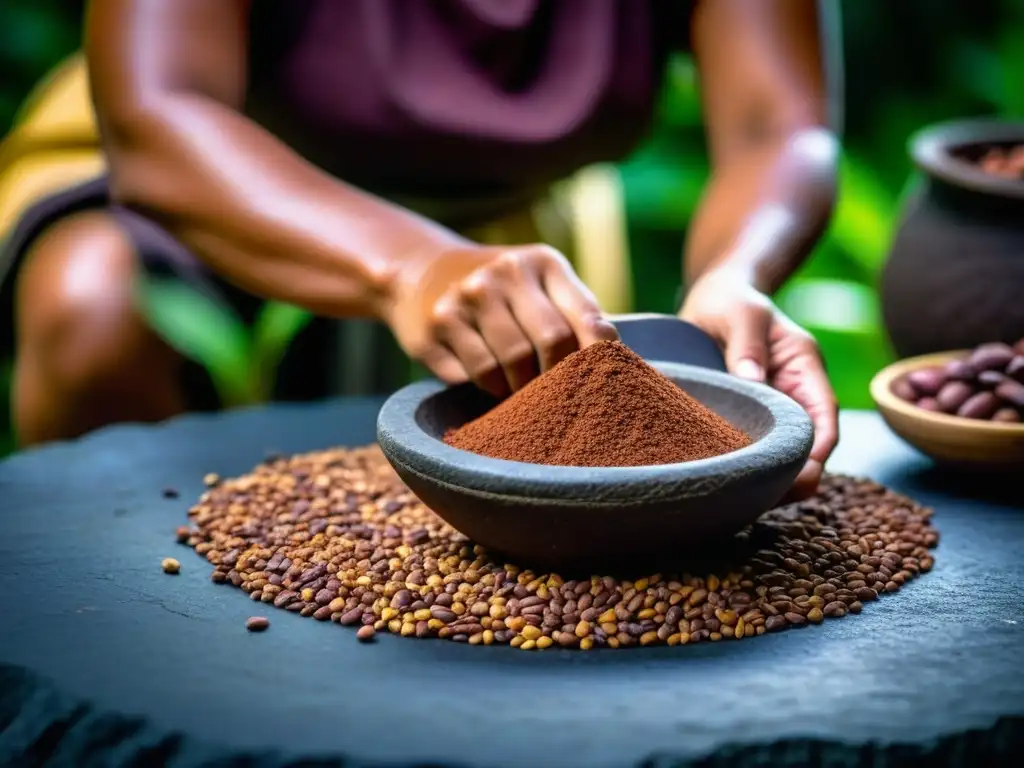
(336, 536)
(602, 406)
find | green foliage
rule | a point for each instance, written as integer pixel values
(954, 65)
(273, 330)
(34, 35)
(241, 361)
(204, 330)
(832, 295)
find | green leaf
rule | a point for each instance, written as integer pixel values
(1011, 59)
(978, 70)
(276, 326)
(836, 305)
(830, 261)
(680, 99)
(662, 188)
(204, 330)
(845, 318)
(864, 216)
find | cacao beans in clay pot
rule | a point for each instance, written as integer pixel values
(954, 278)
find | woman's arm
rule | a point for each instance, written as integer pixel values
(771, 100)
(770, 115)
(168, 79)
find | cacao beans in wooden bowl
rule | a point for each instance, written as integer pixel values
(964, 407)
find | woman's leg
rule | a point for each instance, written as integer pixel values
(84, 356)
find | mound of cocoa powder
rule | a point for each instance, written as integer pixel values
(602, 406)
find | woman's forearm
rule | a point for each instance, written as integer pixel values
(257, 213)
(762, 213)
(771, 86)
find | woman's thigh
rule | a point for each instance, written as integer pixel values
(85, 356)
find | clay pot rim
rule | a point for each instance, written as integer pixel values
(931, 150)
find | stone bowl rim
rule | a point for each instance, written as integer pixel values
(787, 441)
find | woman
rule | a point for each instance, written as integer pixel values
(284, 147)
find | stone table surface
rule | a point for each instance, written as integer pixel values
(103, 657)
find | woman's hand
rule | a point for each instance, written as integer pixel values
(495, 315)
(762, 344)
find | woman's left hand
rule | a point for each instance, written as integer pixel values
(762, 344)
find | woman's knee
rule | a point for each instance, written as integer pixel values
(75, 314)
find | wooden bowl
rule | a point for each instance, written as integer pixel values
(968, 443)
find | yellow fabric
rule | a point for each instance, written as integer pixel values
(595, 201)
(55, 145)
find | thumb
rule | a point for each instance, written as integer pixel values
(746, 345)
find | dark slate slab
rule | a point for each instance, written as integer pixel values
(104, 658)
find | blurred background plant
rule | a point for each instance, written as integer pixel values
(907, 64)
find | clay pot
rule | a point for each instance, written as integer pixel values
(955, 275)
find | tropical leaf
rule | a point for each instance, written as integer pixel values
(845, 318)
(1011, 66)
(276, 325)
(979, 69)
(836, 305)
(680, 98)
(864, 215)
(204, 330)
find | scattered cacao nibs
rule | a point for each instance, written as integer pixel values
(986, 384)
(170, 565)
(335, 535)
(602, 406)
(257, 623)
(170, 493)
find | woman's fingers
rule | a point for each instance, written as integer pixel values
(806, 483)
(514, 316)
(746, 345)
(575, 302)
(821, 405)
(456, 331)
(801, 374)
(549, 334)
(508, 342)
(443, 364)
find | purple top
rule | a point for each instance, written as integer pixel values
(456, 97)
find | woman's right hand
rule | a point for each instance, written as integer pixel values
(497, 316)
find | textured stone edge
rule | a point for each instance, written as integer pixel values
(405, 442)
(41, 725)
